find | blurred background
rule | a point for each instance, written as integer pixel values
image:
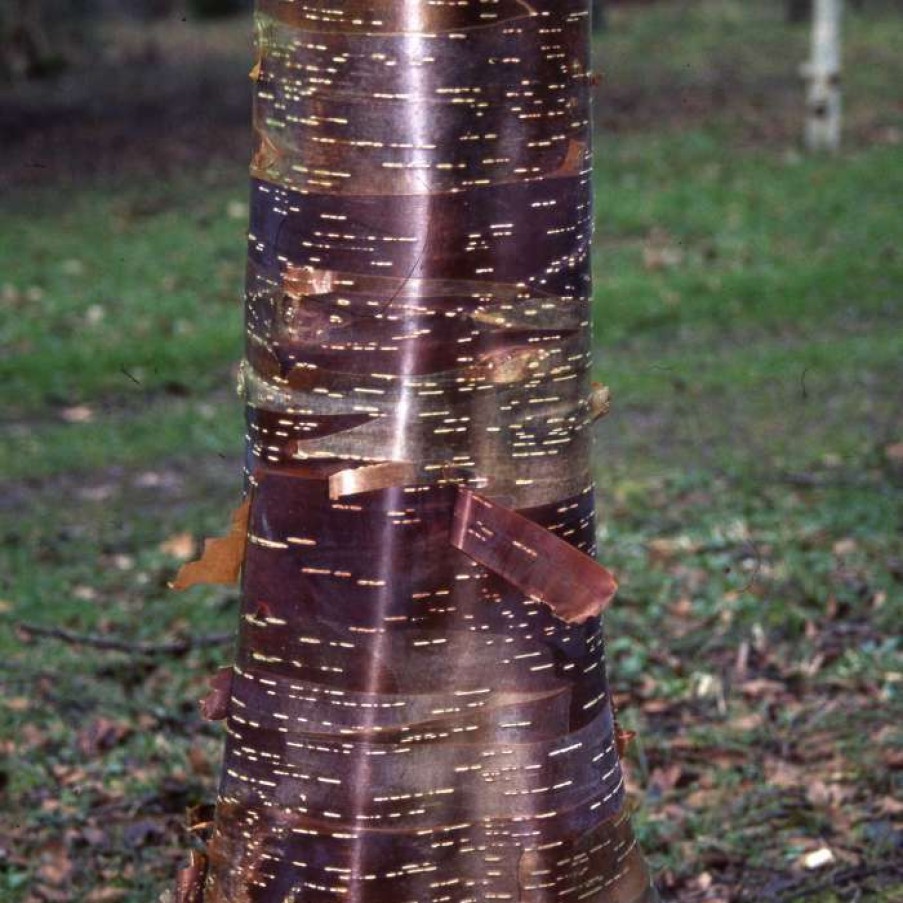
(748, 321)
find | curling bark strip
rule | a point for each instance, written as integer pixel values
(419, 709)
(221, 560)
(531, 558)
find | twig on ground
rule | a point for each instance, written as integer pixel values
(174, 647)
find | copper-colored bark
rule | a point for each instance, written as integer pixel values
(222, 557)
(190, 880)
(419, 710)
(531, 558)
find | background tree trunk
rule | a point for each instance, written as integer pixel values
(419, 708)
(823, 107)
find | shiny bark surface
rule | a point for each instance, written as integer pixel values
(419, 710)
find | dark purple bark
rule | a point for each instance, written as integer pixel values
(419, 709)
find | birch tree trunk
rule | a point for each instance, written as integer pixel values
(823, 107)
(419, 709)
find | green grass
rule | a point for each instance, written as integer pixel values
(776, 270)
(119, 287)
(749, 319)
(747, 57)
(762, 245)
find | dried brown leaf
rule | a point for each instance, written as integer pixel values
(101, 735)
(77, 414)
(894, 452)
(199, 762)
(762, 687)
(52, 894)
(818, 859)
(665, 778)
(55, 867)
(106, 895)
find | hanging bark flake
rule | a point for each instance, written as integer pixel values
(419, 710)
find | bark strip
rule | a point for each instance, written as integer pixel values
(544, 567)
(221, 560)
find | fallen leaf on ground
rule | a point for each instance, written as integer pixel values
(199, 762)
(894, 452)
(79, 413)
(55, 867)
(665, 778)
(845, 546)
(101, 735)
(818, 859)
(106, 895)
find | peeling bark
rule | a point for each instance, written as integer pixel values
(222, 558)
(419, 709)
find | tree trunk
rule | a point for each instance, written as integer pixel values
(823, 105)
(419, 709)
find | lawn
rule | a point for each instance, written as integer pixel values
(749, 319)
